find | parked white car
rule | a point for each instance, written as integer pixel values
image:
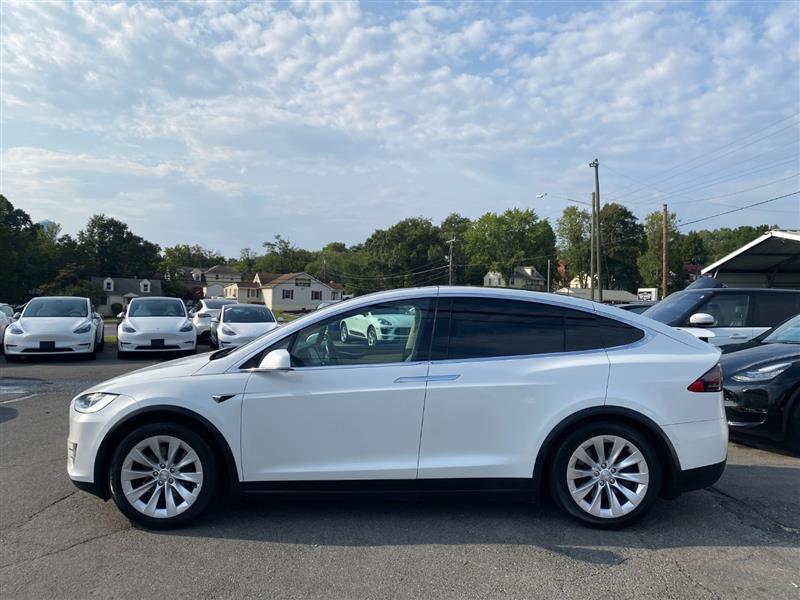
(54, 325)
(207, 310)
(520, 391)
(6, 317)
(388, 325)
(155, 324)
(239, 324)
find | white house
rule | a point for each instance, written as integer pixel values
(216, 278)
(296, 292)
(120, 290)
(246, 292)
(523, 278)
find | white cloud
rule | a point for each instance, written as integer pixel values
(321, 101)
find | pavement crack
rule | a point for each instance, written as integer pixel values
(744, 508)
(30, 517)
(64, 549)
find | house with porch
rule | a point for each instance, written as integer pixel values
(296, 292)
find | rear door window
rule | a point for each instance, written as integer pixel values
(772, 308)
(489, 327)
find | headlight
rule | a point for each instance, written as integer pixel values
(83, 328)
(187, 327)
(89, 403)
(762, 374)
(15, 329)
(227, 331)
(384, 322)
(127, 328)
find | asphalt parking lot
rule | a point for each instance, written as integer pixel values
(739, 539)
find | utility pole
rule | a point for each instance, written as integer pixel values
(595, 164)
(664, 254)
(450, 243)
(548, 275)
(324, 270)
(591, 253)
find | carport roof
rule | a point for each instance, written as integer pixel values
(774, 251)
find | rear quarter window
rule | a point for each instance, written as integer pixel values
(584, 331)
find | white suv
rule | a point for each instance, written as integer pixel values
(520, 392)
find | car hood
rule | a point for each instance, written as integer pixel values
(39, 325)
(156, 324)
(181, 367)
(751, 357)
(249, 329)
(398, 320)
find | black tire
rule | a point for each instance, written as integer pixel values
(344, 336)
(793, 428)
(559, 486)
(207, 461)
(372, 336)
(121, 355)
(102, 345)
(13, 358)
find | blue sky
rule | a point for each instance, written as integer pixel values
(227, 123)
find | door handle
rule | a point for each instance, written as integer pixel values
(427, 378)
(738, 336)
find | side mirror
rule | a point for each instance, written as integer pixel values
(277, 360)
(192, 313)
(121, 315)
(281, 320)
(702, 320)
(16, 316)
(214, 321)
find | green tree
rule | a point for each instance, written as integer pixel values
(574, 229)
(21, 245)
(68, 282)
(723, 241)
(185, 255)
(623, 241)
(113, 250)
(650, 261)
(456, 226)
(283, 257)
(514, 238)
(404, 254)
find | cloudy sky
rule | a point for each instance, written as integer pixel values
(227, 123)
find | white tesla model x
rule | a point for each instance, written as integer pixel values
(520, 392)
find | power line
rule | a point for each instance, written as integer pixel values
(758, 187)
(394, 276)
(727, 212)
(661, 178)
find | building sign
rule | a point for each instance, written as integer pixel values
(302, 282)
(647, 294)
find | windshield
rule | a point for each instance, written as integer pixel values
(156, 307)
(56, 307)
(673, 308)
(786, 333)
(215, 304)
(243, 313)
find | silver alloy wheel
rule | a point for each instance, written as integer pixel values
(607, 476)
(343, 333)
(372, 337)
(161, 476)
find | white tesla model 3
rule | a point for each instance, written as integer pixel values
(156, 324)
(520, 392)
(52, 325)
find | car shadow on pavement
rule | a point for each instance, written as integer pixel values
(709, 517)
(7, 414)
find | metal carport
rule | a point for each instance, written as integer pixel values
(772, 260)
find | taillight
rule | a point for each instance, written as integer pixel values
(710, 381)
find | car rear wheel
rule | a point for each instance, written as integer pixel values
(606, 475)
(162, 475)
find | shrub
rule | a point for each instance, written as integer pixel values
(116, 308)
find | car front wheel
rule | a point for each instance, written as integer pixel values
(372, 336)
(162, 475)
(606, 475)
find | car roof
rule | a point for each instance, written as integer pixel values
(728, 290)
